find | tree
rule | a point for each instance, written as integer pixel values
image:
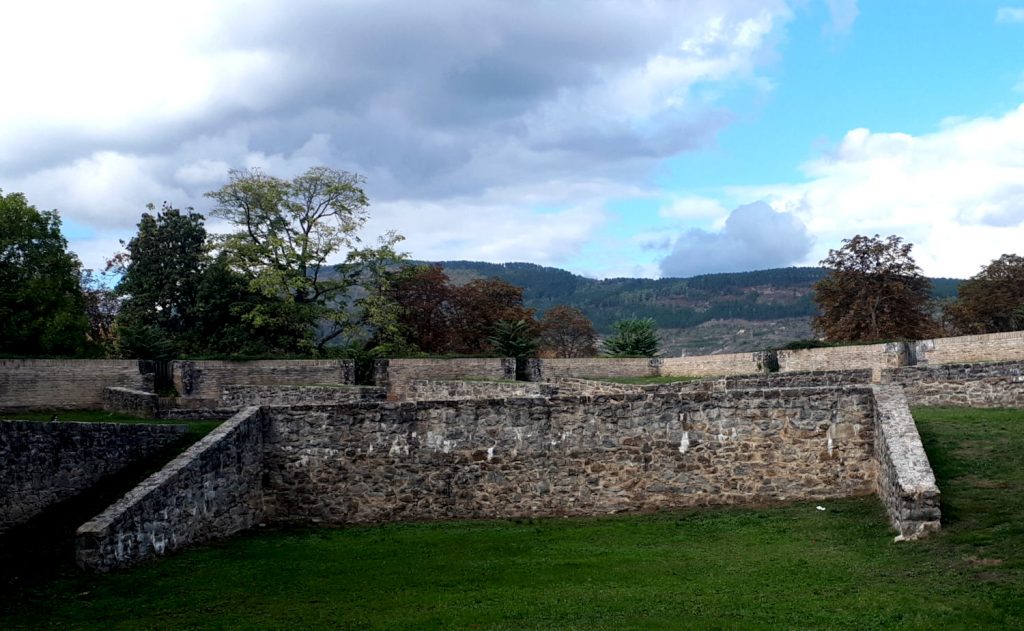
(378, 316)
(42, 310)
(634, 337)
(566, 332)
(514, 338)
(992, 300)
(425, 307)
(162, 268)
(874, 291)
(478, 306)
(287, 232)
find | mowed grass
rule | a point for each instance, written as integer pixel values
(196, 429)
(786, 566)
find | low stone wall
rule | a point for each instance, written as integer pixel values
(64, 384)
(714, 365)
(206, 379)
(971, 348)
(599, 367)
(395, 374)
(989, 385)
(906, 484)
(128, 401)
(427, 390)
(873, 357)
(211, 491)
(242, 396)
(809, 379)
(566, 455)
(42, 464)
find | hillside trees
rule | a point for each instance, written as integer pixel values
(287, 230)
(992, 300)
(42, 308)
(874, 291)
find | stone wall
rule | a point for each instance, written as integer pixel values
(134, 402)
(566, 455)
(971, 348)
(206, 379)
(243, 396)
(45, 463)
(874, 357)
(395, 374)
(64, 384)
(713, 365)
(809, 379)
(906, 484)
(599, 367)
(210, 491)
(429, 390)
(987, 385)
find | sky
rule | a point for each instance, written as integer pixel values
(610, 138)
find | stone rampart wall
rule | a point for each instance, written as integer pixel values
(63, 384)
(42, 464)
(134, 402)
(872, 356)
(599, 367)
(810, 379)
(713, 365)
(428, 390)
(971, 348)
(206, 379)
(210, 491)
(243, 396)
(986, 385)
(395, 374)
(906, 484)
(566, 455)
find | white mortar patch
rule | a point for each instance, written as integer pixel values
(684, 443)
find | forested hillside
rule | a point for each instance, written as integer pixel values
(674, 303)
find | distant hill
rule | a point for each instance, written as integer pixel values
(674, 303)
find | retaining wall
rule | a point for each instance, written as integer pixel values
(599, 367)
(206, 379)
(566, 455)
(871, 356)
(714, 365)
(242, 396)
(971, 348)
(395, 374)
(42, 464)
(987, 385)
(210, 491)
(906, 484)
(429, 390)
(64, 384)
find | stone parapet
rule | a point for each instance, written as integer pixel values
(906, 484)
(210, 491)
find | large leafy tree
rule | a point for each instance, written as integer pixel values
(566, 332)
(992, 300)
(425, 307)
(287, 231)
(478, 306)
(162, 269)
(874, 291)
(42, 310)
(634, 337)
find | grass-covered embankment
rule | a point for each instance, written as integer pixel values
(789, 566)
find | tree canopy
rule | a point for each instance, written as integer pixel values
(286, 232)
(566, 332)
(874, 291)
(42, 308)
(992, 300)
(634, 337)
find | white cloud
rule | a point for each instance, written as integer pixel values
(1010, 14)
(957, 193)
(694, 207)
(843, 14)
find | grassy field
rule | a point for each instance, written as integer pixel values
(788, 566)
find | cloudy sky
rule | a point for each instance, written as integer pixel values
(621, 138)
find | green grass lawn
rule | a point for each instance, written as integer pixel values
(788, 566)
